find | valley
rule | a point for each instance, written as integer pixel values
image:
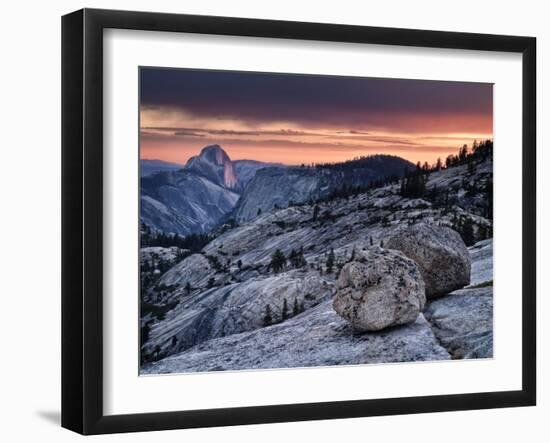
(252, 258)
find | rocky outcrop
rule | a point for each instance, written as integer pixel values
(381, 288)
(463, 322)
(231, 309)
(155, 253)
(194, 270)
(275, 187)
(482, 262)
(246, 169)
(469, 191)
(214, 164)
(440, 253)
(183, 202)
(317, 337)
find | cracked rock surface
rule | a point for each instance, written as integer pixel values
(381, 288)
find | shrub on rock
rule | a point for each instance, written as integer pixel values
(381, 288)
(440, 253)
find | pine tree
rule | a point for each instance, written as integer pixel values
(267, 316)
(316, 210)
(330, 261)
(425, 167)
(463, 153)
(188, 287)
(414, 183)
(285, 309)
(296, 258)
(278, 261)
(296, 307)
(301, 259)
(239, 264)
(292, 258)
(468, 232)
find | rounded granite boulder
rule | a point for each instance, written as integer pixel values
(440, 253)
(379, 289)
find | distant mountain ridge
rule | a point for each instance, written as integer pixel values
(148, 167)
(276, 187)
(211, 187)
(195, 197)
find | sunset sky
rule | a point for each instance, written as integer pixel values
(296, 119)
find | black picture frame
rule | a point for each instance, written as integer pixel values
(82, 218)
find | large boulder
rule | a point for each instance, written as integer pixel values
(381, 288)
(440, 253)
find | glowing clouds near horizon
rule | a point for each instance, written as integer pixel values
(300, 119)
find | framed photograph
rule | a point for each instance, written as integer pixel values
(269, 221)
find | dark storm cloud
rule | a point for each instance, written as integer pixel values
(258, 97)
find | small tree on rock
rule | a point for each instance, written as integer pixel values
(268, 319)
(156, 352)
(278, 261)
(296, 307)
(316, 210)
(330, 261)
(285, 309)
(468, 232)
